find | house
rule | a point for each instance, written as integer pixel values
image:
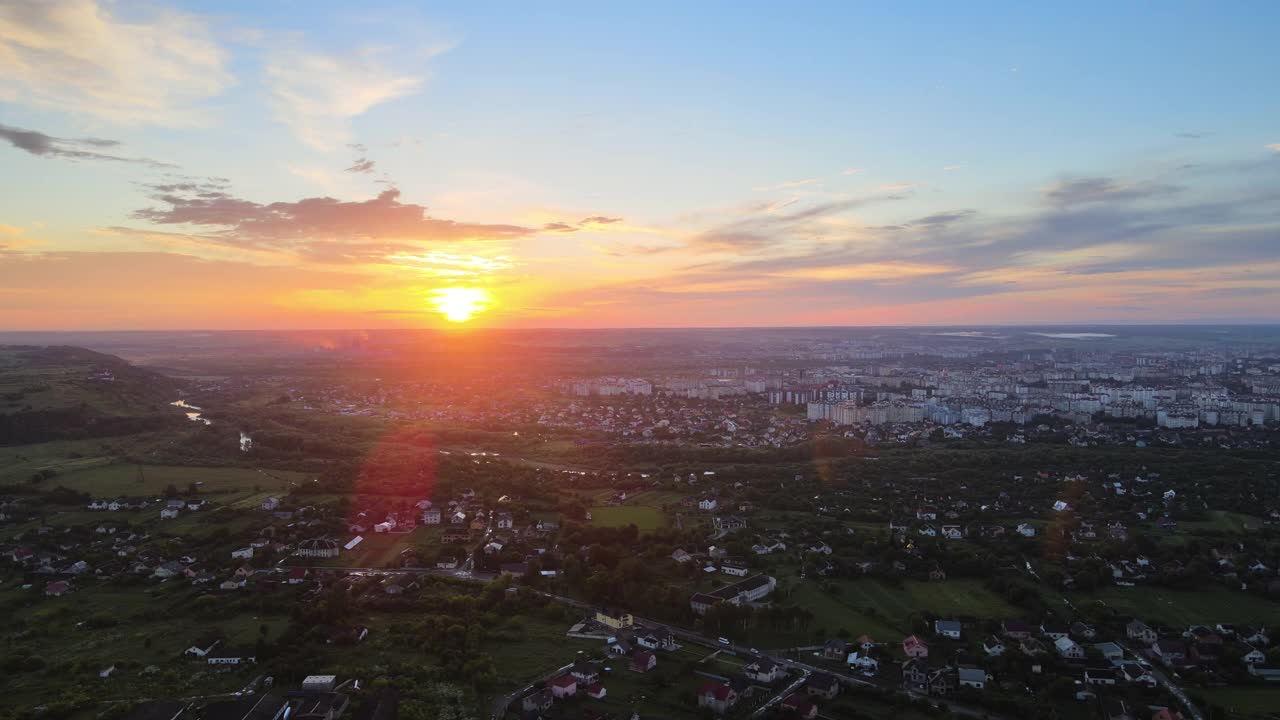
(1253, 656)
(915, 675)
(318, 548)
(458, 518)
(971, 677)
(584, 672)
(866, 642)
(1099, 676)
(1054, 630)
(1170, 651)
(270, 504)
(1068, 648)
(1132, 672)
(949, 629)
(915, 647)
(616, 619)
(1015, 629)
(728, 523)
(659, 638)
(928, 531)
(734, 566)
(952, 532)
(822, 685)
(643, 661)
(168, 513)
(867, 663)
(321, 706)
(1083, 631)
(1138, 630)
(563, 686)
(764, 670)
(1116, 709)
(58, 588)
(505, 521)
(431, 516)
(243, 553)
(707, 504)
(717, 696)
(1110, 651)
(1269, 674)
(297, 575)
(1026, 530)
(539, 701)
(835, 649)
(681, 556)
(993, 646)
(1032, 646)
(798, 705)
(202, 647)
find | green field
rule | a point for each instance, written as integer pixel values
(1180, 608)
(1248, 701)
(106, 481)
(950, 598)
(642, 516)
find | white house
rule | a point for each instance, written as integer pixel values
(1026, 530)
(168, 513)
(243, 553)
(1068, 648)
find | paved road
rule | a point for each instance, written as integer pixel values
(804, 675)
(1168, 684)
(501, 704)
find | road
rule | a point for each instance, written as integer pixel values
(501, 704)
(782, 694)
(1168, 684)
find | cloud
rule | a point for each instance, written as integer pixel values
(1191, 135)
(1274, 147)
(362, 165)
(42, 145)
(949, 168)
(317, 95)
(599, 220)
(318, 228)
(1102, 189)
(559, 227)
(943, 218)
(851, 171)
(81, 56)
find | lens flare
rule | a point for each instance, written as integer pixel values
(460, 304)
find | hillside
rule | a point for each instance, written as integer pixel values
(58, 392)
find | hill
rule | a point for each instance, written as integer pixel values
(59, 392)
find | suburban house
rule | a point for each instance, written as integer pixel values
(947, 628)
(616, 619)
(1068, 648)
(659, 638)
(1138, 630)
(835, 649)
(643, 661)
(971, 677)
(229, 656)
(431, 516)
(584, 672)
(718, 696)
(822, 685)
(798, 705)
(914, 647)
(764, 670)
(993, 646)
(563, 687)
(734, 566)
(539, 701)
(1170, 651)
(750, 590)
(1015, 629)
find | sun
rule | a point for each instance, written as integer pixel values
(460, 304)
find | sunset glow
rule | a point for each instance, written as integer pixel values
(1007, 173)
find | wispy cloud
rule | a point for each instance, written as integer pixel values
(317, 95)
(82, 56)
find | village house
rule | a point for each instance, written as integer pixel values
(915, 647)
(1068, 648)
(949, 629)
(643, 661)
(822, 685)
(764, 670)
(563, 686)
(717, 696)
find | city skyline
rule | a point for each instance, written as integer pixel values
(227, 166)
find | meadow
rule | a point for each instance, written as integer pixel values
(642, 516)
(1180, 608)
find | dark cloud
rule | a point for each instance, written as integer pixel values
(943, 218)
(362, 165)
(559, 227)
(599, 220)
(1102, 189)
(321, 228)
(42, 145)
(767, 228)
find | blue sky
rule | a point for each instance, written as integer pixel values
(871, 163)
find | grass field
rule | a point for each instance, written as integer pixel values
(642, 516)
(951, 598)
(107, 481)
(1180, 608)
(1248, 701)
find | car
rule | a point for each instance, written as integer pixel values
(755, 651)
(725, 641)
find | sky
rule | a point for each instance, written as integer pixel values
(228, 165)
